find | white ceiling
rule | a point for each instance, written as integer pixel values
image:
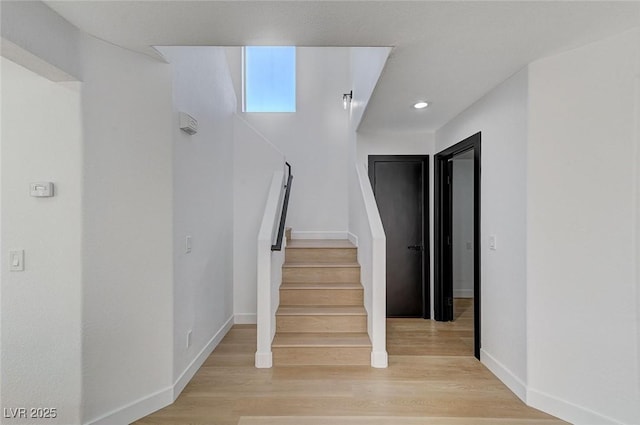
(447, 52)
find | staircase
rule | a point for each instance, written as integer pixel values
(321, 319)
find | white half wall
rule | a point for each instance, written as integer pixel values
(501, 116)
(40, 312)
(127, 312)
(202, 201)
(582, 252)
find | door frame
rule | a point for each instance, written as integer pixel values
(443, 288)
(426, 252)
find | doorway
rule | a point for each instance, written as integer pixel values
(457, 233)
(401, 187)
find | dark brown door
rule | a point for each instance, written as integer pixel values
(400, 188)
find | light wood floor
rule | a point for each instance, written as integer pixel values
(432, 379)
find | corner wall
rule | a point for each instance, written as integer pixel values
(127, 311)
(501, 116)
(582, 251)
(560, 146)
(40, 360)
(202, 206)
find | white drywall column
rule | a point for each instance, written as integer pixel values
(501, 116)
(582, 171)
(41, 306)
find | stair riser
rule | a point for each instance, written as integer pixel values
(284, 356)
(321, 274)
(321, 297)
(311, 323)
(325, 255)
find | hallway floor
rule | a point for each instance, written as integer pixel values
(432, 379)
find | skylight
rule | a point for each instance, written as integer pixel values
(269, 79)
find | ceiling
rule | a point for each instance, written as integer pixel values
(448, 52)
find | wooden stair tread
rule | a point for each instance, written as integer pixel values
(321, 265)
(321, 339)
(311, 310)
(320, 285)
(321, 319)
(320, 243)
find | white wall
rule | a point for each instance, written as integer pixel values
(367, 64)
(582, 252)
(202, 204)
(127, 320)
(462, 243)
(57, 52)
(637, 195)
(41, 306)
(314, 140)
(501, 116)
(255, 160)
(393, 144)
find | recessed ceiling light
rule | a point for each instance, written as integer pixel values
(420, 105)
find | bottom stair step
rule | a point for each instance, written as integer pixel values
(343, 348)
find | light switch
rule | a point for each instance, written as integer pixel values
(16, 260)
(187, 244)
(493, 244)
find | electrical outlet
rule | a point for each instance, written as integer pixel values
(187, 244)
(493, 243)
(188, 339)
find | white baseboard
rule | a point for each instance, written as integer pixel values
(193, 367)
(156, 401)
(379, 359)
(137, 409)
(245, 318)
(352, 238)
(514, 383)
(319, 235)
(566, 410)
(463, 293)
